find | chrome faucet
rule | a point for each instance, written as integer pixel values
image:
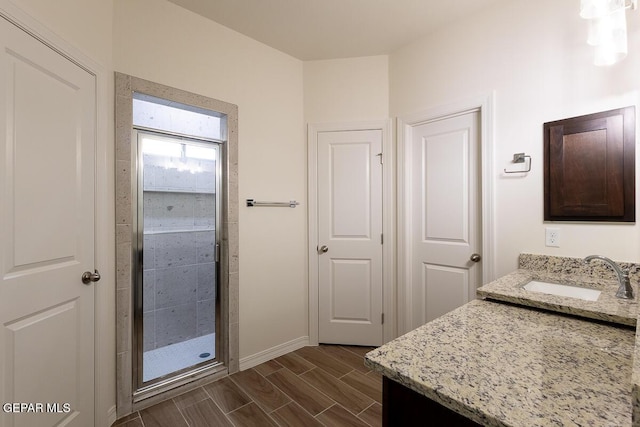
(624, 290)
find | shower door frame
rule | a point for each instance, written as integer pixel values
(125, 87)
(154, 386)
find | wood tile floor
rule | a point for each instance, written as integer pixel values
(313, 386)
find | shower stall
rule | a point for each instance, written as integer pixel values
(178, 181)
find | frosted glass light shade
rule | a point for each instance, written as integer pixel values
(608, 34)
(605, 55)
(610, 29)
(607, 29)
(593, 9)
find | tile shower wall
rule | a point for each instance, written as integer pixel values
(179, 250)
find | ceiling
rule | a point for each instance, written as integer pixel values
(328, 29)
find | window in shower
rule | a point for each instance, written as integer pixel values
(178, 181)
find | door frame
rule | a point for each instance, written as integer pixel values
(104, 308)
(388, 218)
(484, 105)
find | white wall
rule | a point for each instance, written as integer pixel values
(159, 41)
(534, 55)
(86, 24)
(353, 89)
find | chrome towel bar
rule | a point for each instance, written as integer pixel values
(255, 203)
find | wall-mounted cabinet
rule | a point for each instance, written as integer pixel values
(589, 167)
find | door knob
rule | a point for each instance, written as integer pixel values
(475, 257)
(323, 249)
(88, 277)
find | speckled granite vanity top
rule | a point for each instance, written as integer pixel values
(570, 271)
(515, 365)
(504, 365)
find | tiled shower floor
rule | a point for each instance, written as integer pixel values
(174, 357)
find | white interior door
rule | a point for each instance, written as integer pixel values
(350, 228)
(445, 224)
(47, 146)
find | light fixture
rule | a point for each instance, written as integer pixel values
(592, 9)
(607, 28)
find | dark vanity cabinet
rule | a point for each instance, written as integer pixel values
(589, 167)
(402, 406)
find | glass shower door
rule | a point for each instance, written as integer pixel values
(178, 204)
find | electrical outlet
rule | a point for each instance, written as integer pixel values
(552, 237)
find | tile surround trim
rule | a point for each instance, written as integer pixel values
(125, 85)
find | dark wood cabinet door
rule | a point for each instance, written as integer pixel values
(589, 167)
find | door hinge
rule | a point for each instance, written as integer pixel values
(382, 320)
(217, 252)
(381, 238)
(380, 156)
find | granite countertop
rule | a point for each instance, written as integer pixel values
(504, 365)
(635, 382)
(607, 308)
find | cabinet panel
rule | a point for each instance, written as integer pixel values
(589, 167)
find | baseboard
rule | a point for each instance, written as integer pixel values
(111, 415)
(273, 352)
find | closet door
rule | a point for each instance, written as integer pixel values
(350, 237)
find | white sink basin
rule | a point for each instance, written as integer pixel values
(562, 290)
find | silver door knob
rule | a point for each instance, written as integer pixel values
(323, 249)
(88, 277)
(475, 257)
